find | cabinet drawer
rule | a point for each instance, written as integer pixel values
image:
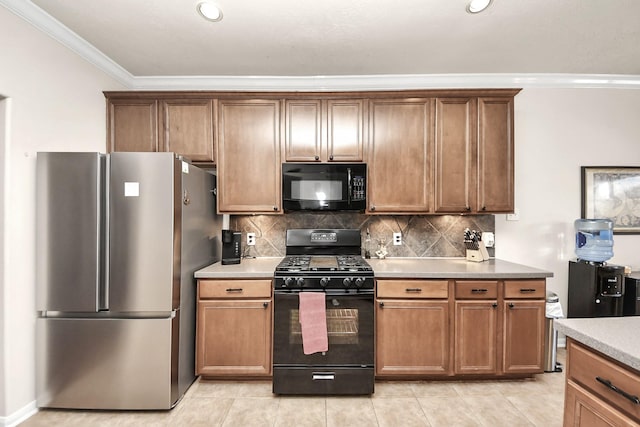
(476, 290)
(590, 370)
(234, 288)
(413, 289)
(524, 289)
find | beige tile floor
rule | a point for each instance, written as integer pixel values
(531, 402)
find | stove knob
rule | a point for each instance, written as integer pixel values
(288, 281)
(300, 282)
(347, 282)
(324, 281)
(359, 282)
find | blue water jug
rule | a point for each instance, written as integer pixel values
(594, 239)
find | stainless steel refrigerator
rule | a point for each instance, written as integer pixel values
(119, 237)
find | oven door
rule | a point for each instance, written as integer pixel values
(349, 328)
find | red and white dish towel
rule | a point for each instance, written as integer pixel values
(313, 322)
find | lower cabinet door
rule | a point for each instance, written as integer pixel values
(412, 337)
(234, 338)
(523, 330)
(476, 337)
(584, 409)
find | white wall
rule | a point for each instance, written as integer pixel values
(56, 104)
(556, 132)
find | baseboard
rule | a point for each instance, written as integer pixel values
(19, 416)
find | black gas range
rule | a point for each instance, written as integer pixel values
(326, 261)
(323, 259)
(346, 272)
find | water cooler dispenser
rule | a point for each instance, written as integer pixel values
(596, 289)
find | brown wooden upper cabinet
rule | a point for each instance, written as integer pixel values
(181, 125)
(399, 155)
(132, 124)
(427, 151)
(249, 165)
(495, 155)
(474, 155)
(328, 130)
(187, 128)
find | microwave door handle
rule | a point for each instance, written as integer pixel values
(349, 184)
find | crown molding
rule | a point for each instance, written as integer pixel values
(49, 25)
(384, 82)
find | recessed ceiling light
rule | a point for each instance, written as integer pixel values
(477, 6)
(209, 11)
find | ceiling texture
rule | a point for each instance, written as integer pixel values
(160, 43)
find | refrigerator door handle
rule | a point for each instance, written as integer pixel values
(103, 237)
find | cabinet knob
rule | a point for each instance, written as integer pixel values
(331, 157)
(265, 304)
(317, 158)
(275, 208)
(494, 305)
(372, 208)
(468, 208)
(484, 208)
(381, 304)
(511, 305)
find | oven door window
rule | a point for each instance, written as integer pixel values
(349, 329)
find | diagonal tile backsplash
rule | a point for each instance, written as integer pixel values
(423, 235)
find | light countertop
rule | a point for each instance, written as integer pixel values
(424, 268)
(257, 268)
(617, 337)
(453, 268)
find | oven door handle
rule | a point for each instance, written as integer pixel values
(324, 376)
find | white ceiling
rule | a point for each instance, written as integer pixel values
(330, 38)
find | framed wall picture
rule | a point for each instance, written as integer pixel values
(613, 193)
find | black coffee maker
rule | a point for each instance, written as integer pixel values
(231, 247)
(596, 289)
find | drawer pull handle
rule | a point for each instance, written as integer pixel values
(234, 289)
(479, 291)
(413, 290)
(634, 399)
(322, 376)
(527, 290)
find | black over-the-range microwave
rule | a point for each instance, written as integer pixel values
(324, 186)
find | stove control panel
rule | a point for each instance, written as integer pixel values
(324, 236)
(324, 282)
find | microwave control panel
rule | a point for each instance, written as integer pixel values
(358, 188)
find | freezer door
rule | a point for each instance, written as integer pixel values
(70, 231)
(107, 363)
(144, 242)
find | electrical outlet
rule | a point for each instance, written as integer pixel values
(397, 239)
(251, 239)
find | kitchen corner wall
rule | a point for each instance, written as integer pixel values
(422, 235)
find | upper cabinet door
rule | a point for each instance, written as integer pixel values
(187, 128)
(132, 125)
(249, 166)
(455, 156)
(399, 155)
(495, 155)
(345, 130)
(324, 130)
(303, 135)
